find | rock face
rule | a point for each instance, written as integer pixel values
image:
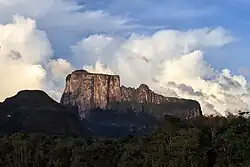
(144, 99)
(35, 112)
(88, 91)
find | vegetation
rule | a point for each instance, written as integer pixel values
(201, 142)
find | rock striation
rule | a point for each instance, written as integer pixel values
(88, 91)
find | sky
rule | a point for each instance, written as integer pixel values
(193, 49)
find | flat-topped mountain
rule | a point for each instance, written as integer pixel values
(105, 107)
(88, 91)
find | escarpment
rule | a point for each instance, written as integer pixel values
(88, 91)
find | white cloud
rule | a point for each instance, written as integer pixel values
(60, 67)
(93, 48)
(23, 37)
(26, 51)
(172, 63)
(64, 21)
(67, 15)
(22, 48)
(57, 70)
(99, 68)
(25, 59)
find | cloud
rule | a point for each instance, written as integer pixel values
(92, 48)
(98, 68)
(158, 10)
(26, 40)
(22, 38)
(172, 63)
(67, 15)
(25, 59)
(136, 52)
(65, 22)
(57, 70)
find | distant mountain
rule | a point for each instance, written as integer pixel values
(34, 111)
(92, 105)
(110, 109)
(88, 91)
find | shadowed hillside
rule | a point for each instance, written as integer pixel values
(35, 111)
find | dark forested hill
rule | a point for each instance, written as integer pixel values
(200, 142)
(34, 111)
(36, 131)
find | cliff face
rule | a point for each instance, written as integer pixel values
(157, 104)
(88, 91)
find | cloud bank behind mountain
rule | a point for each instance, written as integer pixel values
(170, 61)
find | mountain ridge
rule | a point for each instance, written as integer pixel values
(88, 91)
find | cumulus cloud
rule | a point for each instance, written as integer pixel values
(22, 48)
(26, 41)
(65, 22)
(99, 68)
(25, 59)
(172, 63)
(57, 70)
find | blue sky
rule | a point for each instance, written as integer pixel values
(182, 15)
(151, 16)
(196, 45)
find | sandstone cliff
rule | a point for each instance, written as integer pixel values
(88, 91)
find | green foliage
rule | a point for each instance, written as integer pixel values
(200, 142)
